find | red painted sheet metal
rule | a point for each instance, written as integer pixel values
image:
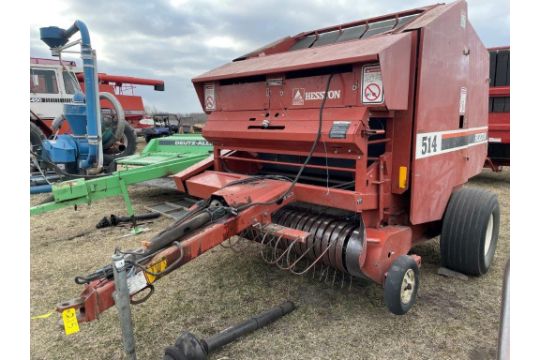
(298, 132)
(429, 17)
(384, 245)
(206, 183)
(499, 91)
(499, 48)
(210, 182)
(342, 53)
(120, 79)
(396, 74)
(452, 57)
(499, 127)
(182, 176)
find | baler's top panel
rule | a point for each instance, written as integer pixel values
(357, 30)
(309, 58)
(377, 40)
(362, 31)
(345, 43)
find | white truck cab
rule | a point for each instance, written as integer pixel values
(52, 83)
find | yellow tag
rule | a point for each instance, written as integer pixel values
(42, 316)
(155, 268)
(71, 325)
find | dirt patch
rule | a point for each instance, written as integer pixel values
(453, 319)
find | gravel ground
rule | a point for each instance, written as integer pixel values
(452, 319)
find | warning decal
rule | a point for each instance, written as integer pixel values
(298, 96)
(372, 86)
(209, 97)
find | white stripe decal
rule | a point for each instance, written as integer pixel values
(438, 142)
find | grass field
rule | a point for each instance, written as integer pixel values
(452, 319)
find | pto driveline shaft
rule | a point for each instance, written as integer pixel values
(230, 334)
(189, 347)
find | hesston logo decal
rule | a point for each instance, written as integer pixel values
(300, 95)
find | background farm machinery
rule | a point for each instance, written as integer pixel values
(499, 108)
(77, 136)
(54, 83)
(160, 158)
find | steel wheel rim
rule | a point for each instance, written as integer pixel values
(489, 235)
(407, 286)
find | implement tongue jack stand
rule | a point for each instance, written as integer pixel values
(122, 299)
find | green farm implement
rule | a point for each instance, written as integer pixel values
(160, 158)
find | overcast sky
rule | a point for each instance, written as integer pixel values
(175, 40)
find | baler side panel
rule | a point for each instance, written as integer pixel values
(477, 115)
(395, 64)
(403, 127)
(446, 67)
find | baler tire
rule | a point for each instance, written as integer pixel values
(470, 231)
(403, 272)
(131, 146)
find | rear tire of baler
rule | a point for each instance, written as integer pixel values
(131, 138)
(470, 231)
(401, 285)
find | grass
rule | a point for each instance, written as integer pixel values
(452, 319)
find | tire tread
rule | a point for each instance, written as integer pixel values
(463, 229)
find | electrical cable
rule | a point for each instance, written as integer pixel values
(308, 158)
